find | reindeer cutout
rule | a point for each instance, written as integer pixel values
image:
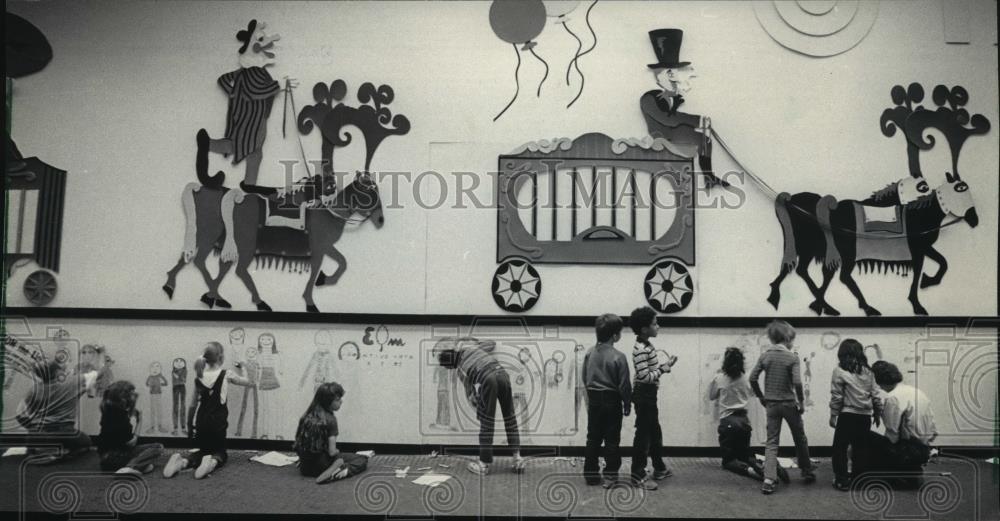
(243, 226)
(840, 236)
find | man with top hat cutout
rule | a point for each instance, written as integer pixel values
(660, 107)
(251, 92)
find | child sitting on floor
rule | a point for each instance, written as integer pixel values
(49, 411)
(118, 444)
(211, 416)
(316, 439)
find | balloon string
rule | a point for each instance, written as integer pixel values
(579, 45)
(576, 59)
(532, 51)
(517, 85)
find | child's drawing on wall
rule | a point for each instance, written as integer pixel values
(443, 418)
(178, 381)
(321, 362)
(94, 357)
(270, 369)
(251, 369)
(807, 378)
(156, 382)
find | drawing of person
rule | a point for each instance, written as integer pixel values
(322, 364)
(178, 380)
(443, 418)
(270, 368)
(156, 382)
(94, 357)
(251, 368)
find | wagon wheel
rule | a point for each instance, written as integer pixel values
(516, 286)
(40, 287)
(668, 286)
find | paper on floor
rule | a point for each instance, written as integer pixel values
(431, 479)
(366, 453)
(16, 451)
(275, 459)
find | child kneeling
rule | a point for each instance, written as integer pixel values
(316, 439)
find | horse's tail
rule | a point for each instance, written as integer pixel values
(191, 221)
(788, 259)
(201, 163)
(229, 202)
(823, 209)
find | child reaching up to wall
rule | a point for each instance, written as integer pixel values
(118, 444)
(316, 439)
(853, 399)
(211, 415)
(50, 410)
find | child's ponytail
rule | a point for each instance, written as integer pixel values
(199, 366)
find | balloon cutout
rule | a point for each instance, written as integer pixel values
(559, 9)
(26, 48)
(519, 22)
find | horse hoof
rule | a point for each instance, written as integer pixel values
(830, 311)
(321, 279)
(169, 291)
(209, 301)
(773, 298)
(312, 309)
(872, 312)
(262, 306)
(817, 307)
(919, 310)
(927, 282)
(222, 303)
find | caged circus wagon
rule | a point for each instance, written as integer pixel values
(35, 194)
(596, 200)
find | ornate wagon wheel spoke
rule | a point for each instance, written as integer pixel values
(516, 286)
(40, 287)
(668, 287)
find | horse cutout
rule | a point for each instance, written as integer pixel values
(239, 225)
(841, 235)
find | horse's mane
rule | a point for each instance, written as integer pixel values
(924, 201)
(889, 192)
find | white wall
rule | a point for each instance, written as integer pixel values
(130, 84)
(392, 396)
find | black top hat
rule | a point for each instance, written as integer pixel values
(245, 35)
(26, 48)
(667, 46)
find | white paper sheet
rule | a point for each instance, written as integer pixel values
(431, 479)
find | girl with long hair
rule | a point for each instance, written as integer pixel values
(118, 444)
(316, 439)
(853, 402)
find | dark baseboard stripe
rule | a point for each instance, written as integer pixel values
(961, 322)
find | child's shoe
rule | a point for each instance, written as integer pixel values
(768, 487)
(478, 467)
(175, 464)
(662, 474)
(808, 477)
(208, 464)
(329, 473)
(128, 471)
(645, 484)
(783, 475)
(842, 484)
(608, 482)
(147, 469)
(519, 464)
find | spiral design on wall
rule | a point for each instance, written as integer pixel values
(817, 28)
(871, 494)
(973, 375)
(556, 495)
(445, 498)
(59, 494)
(375, 495)
(940, 495)
(127, 495)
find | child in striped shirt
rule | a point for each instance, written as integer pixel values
(648, 440)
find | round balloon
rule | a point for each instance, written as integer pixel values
(517, 21)
(556, 8)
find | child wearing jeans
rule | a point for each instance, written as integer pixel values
(648, 440)
(211, 415)
(118, 444)
(486, 385)
(316, 439)
(49, 411)
(782, 385)
(609, 398)
(853, 399)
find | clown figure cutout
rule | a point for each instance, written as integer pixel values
(251, 91)
(661, 107)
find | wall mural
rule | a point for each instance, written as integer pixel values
(292, 228)
(817, 29)
(894, 230)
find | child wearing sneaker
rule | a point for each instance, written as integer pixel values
(783, 398)
(853, 400)
(487, 385)
(316, 439)
(211, 415)
(609, 398)
(648, 442)
(118, 444)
